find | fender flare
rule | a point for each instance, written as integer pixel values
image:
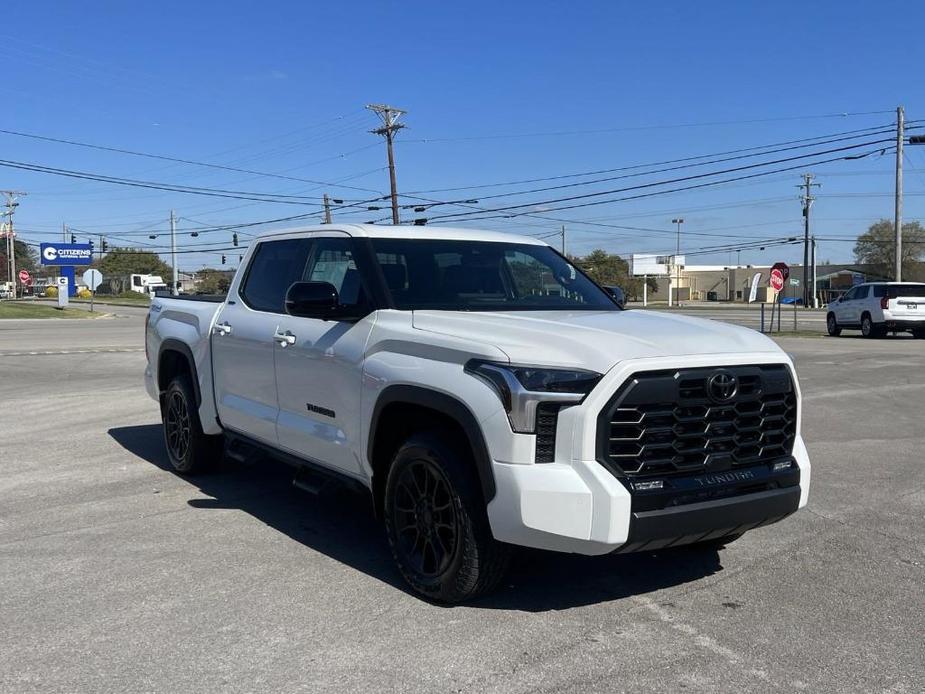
(446, 405)
(174, 345)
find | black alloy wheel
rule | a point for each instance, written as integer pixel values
(177, 425)
(189, 449)
(436, 520)
(425, 519)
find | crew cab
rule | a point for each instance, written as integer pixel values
(485, 392)
(876, 308)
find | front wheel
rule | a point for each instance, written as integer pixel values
(436, 522)
(832, 325)
(190, 450)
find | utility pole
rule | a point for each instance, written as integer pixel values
(173, 253)
(677, 292)
(898, 218)
(11, 205)
(808, 199)
(562, 234)
(813, 275)
(327, 209)
(390, 126)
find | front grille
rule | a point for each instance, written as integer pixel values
(547, 417)
(675, 422)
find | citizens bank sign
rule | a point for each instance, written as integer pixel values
(66, 253)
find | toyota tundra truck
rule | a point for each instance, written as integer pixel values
(487, 394)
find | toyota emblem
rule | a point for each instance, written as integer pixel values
(722, 386)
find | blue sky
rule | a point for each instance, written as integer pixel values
(495, 92)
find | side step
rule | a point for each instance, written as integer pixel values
(310, 481)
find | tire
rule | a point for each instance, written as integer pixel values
(832, 325)
(436, 523)
(869, 328)
(189, 450)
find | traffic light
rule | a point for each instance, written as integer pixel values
(223, 260)
(105, 246)
(917, 140)
(421, 221)
(234, 238)
(73, 238)
(91, 246)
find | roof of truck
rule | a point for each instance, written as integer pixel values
(409, 232)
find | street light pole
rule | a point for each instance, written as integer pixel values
(677, 292)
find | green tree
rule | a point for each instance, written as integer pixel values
(25, 257)
(877, 246)
(119, 262)
(212, 281)
(611, 270)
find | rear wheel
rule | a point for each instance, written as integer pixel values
(436, 522)
(832, 325)
(869, 328)
(190, 450)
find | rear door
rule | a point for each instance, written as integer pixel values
(319, 375)
(243, 345)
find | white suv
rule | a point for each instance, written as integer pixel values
(876, 308)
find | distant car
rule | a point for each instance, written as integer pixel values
(618, 295)
(876, 308)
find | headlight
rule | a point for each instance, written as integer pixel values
(522, 388)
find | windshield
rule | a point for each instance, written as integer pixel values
(484, 276)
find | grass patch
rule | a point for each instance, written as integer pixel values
(10, 309)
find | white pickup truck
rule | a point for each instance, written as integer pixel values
(487, 394)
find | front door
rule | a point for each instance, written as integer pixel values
(319, 375)
(243, 345)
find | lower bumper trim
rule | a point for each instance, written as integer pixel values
(708, 520)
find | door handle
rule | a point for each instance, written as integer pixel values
(222, 328)
(286, 338)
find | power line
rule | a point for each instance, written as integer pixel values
(175, 188)
(859, 133)
(597, 131)
(76, 143)
(658, 183)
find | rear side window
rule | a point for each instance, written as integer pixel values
(892, 291)
(275, 266)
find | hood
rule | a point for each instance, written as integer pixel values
(593, 340)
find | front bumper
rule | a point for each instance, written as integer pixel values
(582, 508)
(577, 505)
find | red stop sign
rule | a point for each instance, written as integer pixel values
(25, 277)
(777, 280)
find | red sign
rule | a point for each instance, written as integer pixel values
(784, 269)
(777, 280)
(25, 277)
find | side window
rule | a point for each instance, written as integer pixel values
(332, 260)
(852, 294)
(274, 267)
(879, 290)
(862, 292)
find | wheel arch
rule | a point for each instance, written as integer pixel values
(389, 428)
(176, 357)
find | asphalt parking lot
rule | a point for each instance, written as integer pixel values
(118, 575)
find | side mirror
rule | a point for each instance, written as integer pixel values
(312, 300)
(618, 295)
